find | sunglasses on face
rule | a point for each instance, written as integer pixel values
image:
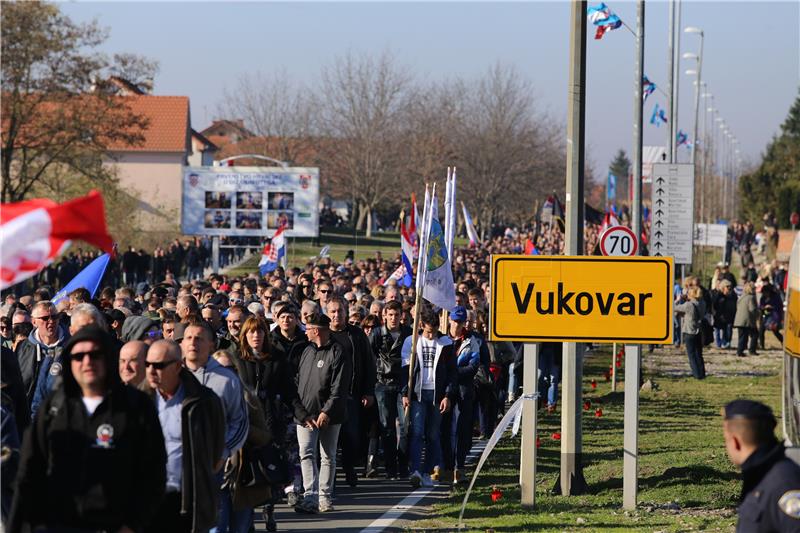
(153, 334)
(94, 355)
(46, 318)
(324, 291)
(161, 365)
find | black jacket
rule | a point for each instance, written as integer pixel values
(357, 347)
(291, 350)
(96, 472)
(724, 308)
(322, 382)
(388, 359)
(203, 438)
(272, 381)
(769, 492)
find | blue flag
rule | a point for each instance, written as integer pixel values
(611, 189)
(659, 115)
(89, 278)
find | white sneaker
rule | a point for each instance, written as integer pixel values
(415, 479)
(325, 506)
(427, 482)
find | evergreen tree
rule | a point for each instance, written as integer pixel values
(775, 185)
(621, 168)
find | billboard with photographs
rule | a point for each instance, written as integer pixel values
(250, 201)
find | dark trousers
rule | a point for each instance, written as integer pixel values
(744, 335)
(457, 429)
(487, 409)
(168, 517)
(393, 455)
(694, 350)
(350, 435)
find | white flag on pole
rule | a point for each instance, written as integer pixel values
(438, 284)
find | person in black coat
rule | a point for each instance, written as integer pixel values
(387, 346)
(95, 459)
(361, 389)
(770, 499)
(267, 373)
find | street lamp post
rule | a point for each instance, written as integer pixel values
(699, 58)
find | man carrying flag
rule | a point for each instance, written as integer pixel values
(274, 252)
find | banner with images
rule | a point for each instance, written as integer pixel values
(250, 201)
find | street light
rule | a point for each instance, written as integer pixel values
(699, 58)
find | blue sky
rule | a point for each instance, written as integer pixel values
(751, 63)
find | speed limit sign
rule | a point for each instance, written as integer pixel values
(619, 241)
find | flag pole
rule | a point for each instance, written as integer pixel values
(449, 202)
(423, 245)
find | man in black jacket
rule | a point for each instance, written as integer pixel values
(386, 347)
(361, 389)
(322, 386)
(94, 458)
(193, 424)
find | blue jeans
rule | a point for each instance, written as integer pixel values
(425, 423)
(548, 367)
(230, 520)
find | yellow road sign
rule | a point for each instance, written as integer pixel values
(581, 299)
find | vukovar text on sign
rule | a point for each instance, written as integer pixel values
(581, 299)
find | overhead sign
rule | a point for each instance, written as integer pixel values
(581, 299)
(250, 201)
(619, 241)
(672, 211)
(711, 235)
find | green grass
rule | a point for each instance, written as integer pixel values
(341, 240)
(682, 461)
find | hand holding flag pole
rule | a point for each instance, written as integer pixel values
(421, 268)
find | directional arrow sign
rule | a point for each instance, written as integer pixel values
(673, 201)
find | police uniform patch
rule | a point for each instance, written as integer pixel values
(320, 363)
(55, 369)
(105, 436)
(790, 503)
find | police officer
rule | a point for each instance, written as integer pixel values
(770, 499)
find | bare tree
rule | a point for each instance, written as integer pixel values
(277, 110)
(507, 153)
(361, 105)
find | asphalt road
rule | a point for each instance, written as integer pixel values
(374, 506)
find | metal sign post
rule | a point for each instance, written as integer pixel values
(633, 353)
(215, 254)
(530, 387)
(571, 481)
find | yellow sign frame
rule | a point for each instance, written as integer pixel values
(647, 319)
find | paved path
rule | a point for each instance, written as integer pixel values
(374, 506)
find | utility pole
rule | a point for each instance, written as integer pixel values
(633, 352)
(571, 481)
(671, 81)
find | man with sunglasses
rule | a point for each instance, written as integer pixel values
(189, 413)
(324, 294)
(94, 460)
(83, 315)
(46, 340)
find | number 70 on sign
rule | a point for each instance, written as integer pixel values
(619, 241)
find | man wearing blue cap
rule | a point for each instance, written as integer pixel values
(770, 499)
(457, 423)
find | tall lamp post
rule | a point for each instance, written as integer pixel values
(699, 58)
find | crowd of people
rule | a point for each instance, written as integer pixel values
(222, 395)
(218, 395)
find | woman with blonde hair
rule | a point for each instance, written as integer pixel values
(693, 311)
